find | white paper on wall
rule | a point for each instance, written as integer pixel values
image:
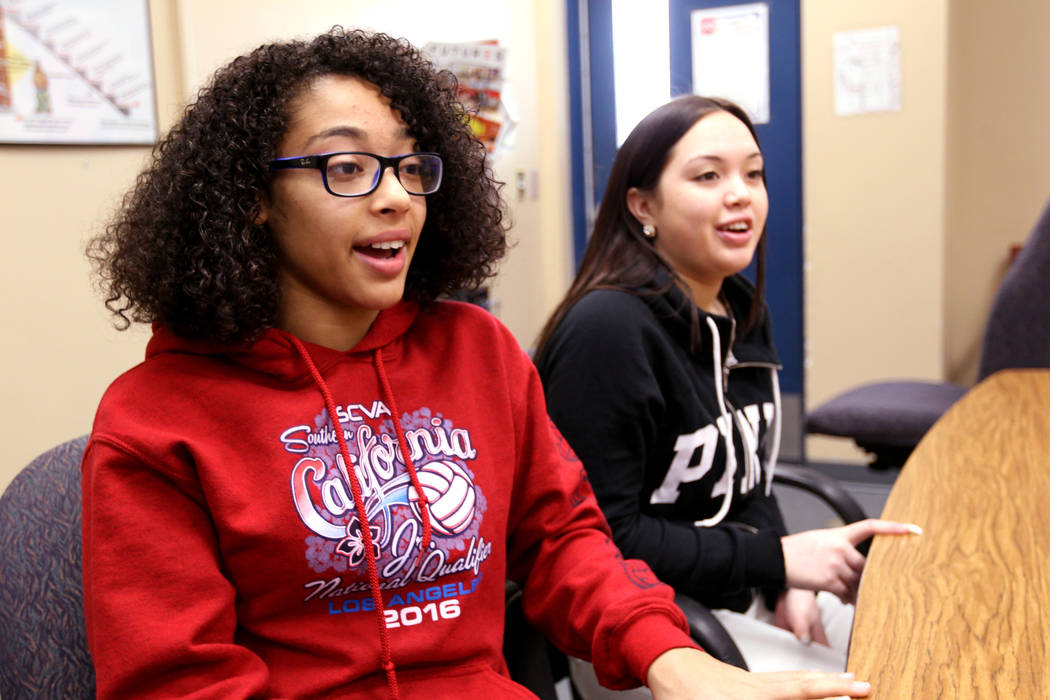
(867, 71)
(731, 56)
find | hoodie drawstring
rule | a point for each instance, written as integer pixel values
(727, 420)
(388, 396)
(774, 450)
(362, 517)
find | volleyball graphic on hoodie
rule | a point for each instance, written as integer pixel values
(450, 495)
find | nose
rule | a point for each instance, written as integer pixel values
(390, 194)
(737, 192)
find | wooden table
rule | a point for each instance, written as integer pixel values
(963, 611)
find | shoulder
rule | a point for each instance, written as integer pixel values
(613, 301)
(607, 311)
(139, 407)
(604, 328)
(151, 376)
(461, 316)
(456, 327)
(148, 387)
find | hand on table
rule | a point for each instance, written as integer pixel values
(690, 674)
(797, 612)
(827, 560)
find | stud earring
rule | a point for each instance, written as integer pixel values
(649, 231)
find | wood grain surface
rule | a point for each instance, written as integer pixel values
(963, 611)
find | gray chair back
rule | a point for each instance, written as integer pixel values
(1018, 331)
(43, 643)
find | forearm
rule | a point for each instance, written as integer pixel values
(760, 511)
(718, 565)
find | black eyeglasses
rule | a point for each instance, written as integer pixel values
(356, 173)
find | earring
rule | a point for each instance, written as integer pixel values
(649, 231)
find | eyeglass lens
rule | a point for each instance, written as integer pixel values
(358, 173)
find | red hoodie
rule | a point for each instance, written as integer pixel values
(227, 553)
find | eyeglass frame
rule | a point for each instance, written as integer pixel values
(320, 162)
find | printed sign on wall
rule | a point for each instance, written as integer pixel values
(731, 56)
(868, 71)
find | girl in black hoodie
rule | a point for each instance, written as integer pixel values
(660, 370)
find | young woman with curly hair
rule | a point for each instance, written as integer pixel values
(319, 479)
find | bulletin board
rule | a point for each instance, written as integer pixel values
(76, 72)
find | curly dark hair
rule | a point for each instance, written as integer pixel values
(184, 248)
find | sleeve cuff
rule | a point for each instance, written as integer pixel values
(764, 558)
(650, 636)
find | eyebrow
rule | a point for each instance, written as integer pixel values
(348, 131)
(720, 159)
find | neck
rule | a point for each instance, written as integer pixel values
(338, 333)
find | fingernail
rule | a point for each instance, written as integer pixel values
(913, 528)
(847, 676)
(861, 687)
(805, 639)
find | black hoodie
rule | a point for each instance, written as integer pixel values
(650, 411)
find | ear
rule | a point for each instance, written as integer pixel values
(263, 200)
(640, 204)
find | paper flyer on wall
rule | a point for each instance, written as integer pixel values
(479, 68)
(730, 56)
(76, 72)
(868, 71)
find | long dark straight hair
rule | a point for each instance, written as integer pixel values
(618, 255)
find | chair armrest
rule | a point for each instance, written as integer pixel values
(704, 627)
(529, 656)
(824, 487)
(708, 632)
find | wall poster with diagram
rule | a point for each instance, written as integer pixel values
(76, 72)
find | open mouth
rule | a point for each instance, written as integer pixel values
(736, 227)
(384, 250)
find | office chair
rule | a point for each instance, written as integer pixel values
(704, 627)
(43, 645)
(538, 671)
(888, 418)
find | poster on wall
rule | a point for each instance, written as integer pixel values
(76, 72)
(868, 71)
(731, 56)
(478, 66)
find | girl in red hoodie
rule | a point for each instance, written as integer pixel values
(320, 478)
